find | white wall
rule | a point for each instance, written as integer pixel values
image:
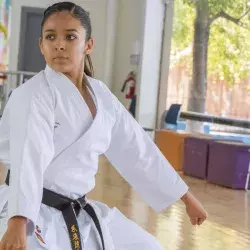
(102, 12)
(117, 24)
(111, 27)
(140, 20)
(130, 19)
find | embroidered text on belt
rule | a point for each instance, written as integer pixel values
(70, 210)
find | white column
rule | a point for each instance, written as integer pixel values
(163, 88)
(150, 63)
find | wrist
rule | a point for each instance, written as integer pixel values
(186, 198)
(17, 221)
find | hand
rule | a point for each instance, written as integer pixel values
(15, 237)
(195, 211)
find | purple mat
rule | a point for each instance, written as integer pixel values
(195, 161)
(228, 164)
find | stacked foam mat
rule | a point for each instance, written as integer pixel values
(224, 163)
(171, 144)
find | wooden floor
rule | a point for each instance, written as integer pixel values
(228, 226)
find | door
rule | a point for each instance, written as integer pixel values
(30, 57)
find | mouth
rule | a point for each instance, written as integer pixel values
(60, 58)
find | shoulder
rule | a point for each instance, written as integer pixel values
(34, 86)
(99, 86)
(108, 99)
(104, 93)
(35, 89)
(102, 89)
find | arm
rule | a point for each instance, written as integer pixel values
(31, 122)
(141, 163)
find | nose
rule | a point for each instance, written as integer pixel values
(60, 46)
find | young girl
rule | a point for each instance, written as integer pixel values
(54, 128)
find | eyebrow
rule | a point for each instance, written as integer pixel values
(72, 30)
(68, 30)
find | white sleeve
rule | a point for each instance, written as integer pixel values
(31, 121)
(140, 162)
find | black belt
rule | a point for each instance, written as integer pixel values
(70, 210)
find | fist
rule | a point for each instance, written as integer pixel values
(15, 236)
(195, 211)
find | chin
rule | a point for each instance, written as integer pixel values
(61, 68)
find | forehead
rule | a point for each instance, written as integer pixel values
(63, 19)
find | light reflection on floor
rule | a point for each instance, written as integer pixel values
(227, 228)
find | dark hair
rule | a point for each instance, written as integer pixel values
(80, 14)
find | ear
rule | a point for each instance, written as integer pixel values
(89, 46)
(41, 45)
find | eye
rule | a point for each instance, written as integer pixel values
(71, 37)
(50, 37)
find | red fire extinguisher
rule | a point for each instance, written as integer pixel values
(129, 85)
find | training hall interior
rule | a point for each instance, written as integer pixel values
(182, 69)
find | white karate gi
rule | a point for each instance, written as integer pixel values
(49, 139)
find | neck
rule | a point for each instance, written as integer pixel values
(76, 78)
